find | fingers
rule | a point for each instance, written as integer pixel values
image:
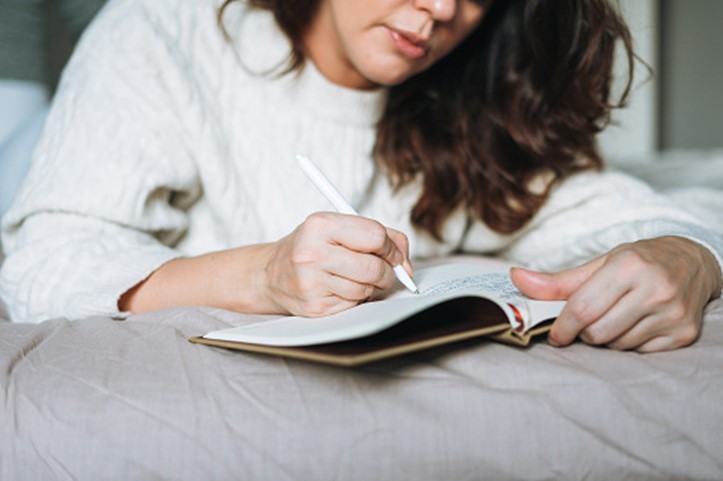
(367, 270)
(664, 343)
(619, 319)
(659, 332)
(589, 295)
(402, 242)
(588, 305)
(647, 295)
(553, 286)
(322, 306)
(361, 235)
(334, 261)
(360, 268)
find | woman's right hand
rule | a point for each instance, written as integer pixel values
(329, 263)
(332, 262)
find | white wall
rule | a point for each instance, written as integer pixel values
(635, 134)
(692, 74)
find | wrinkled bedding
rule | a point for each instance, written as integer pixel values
(101, 399)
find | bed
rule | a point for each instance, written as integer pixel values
(102, 399)
(99, 399)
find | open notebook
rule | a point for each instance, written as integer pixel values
(463, 299)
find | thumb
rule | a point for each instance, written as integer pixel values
(402, 242)
(555, 285)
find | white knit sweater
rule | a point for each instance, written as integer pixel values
(165, 140)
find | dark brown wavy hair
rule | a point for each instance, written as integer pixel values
(521, 99)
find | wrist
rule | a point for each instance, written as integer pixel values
(251, 286)
(708, 259)
(709, 266)
(236, 279)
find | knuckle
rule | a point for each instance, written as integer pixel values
(677, 312)
(377, 235)
(594, 334)
(632, 260)
(316, 221)
(316, 307)
(664, 297)
(364, 291)
(306, 285)
(666, 293)
(374, 269)
(621, 254)
(400, 238)
(302, 254)
(317, 217)
(687, 335)
(582, 312)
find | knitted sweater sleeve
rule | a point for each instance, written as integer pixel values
(111, 177)
(591, 213)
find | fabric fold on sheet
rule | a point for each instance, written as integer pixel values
(101, 399)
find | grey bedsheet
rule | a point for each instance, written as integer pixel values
(101, 399)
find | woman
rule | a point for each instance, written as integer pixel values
(167, 175)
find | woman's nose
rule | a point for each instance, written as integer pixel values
(440, 10)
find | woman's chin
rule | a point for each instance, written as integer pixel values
(388, 77)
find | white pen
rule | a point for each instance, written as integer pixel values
(322, 183)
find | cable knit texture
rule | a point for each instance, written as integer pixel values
(165, 140)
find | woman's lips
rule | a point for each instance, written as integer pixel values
(409, 44)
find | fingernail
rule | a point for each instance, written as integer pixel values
(408, 267)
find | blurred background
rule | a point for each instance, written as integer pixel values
(36, 39)
(679, 108)
(674, 122)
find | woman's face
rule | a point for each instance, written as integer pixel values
(367, 43)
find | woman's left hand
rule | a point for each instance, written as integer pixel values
(648, 295)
